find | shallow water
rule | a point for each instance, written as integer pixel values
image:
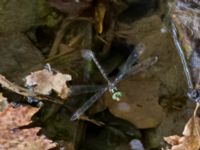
(153, 102)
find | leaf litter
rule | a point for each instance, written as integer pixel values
(13, 138)
(44, 81)
(41, 82)
(191, 135)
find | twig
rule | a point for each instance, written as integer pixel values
(14, 88)
(59, 37)
(23, 91)
(61, 32)
(85, 118)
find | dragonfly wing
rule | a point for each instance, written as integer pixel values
(88, 104)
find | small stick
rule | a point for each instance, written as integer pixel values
(23, 91)
(13, 87)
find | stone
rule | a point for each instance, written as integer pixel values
(144, 94)
(17, 15)
(18, 56)
(139, 104)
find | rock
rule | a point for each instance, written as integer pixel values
(17, 15)
(136, 145)
(18, 56)
(151, 138)
(168, 70)
(144, 93)
(123, 126)
(139, 104)
(175, 120)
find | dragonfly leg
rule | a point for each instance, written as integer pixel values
(194, 95)
(83, 89)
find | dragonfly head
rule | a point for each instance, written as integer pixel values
(116, 94)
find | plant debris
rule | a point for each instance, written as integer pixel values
(18, 139)
(44, 81)
(191, 135)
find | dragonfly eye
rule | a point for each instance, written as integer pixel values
(87, 54)
(116, 95)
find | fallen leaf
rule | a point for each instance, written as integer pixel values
(192, 127)
(173, 140)
(14, 117)
(44, 81)
(183, 143)
(190, 139)
(26, 139)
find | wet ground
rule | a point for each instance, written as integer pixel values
(153, 103)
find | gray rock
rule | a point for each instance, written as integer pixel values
(139, 104)
(168, 72)
(17, 15)
(136, 144)
(17, 56)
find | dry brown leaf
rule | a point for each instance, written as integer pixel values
(15, 139)
(44, 81)
(15, 117)
(192, 127)
(25, 139)
(183, 143)
(190, 139)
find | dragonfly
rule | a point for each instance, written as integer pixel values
(129, 67)
(184, 20)
(193, 91)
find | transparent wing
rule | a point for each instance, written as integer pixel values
(137, 68)
(133, 57)
(88, 103)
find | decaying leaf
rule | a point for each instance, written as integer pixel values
(15, 117)
(15, 139)
(5, 83)
(26, 139)
(44, 81)
(100, 11)
(192, 127)
(183, 143)
(191, 135)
